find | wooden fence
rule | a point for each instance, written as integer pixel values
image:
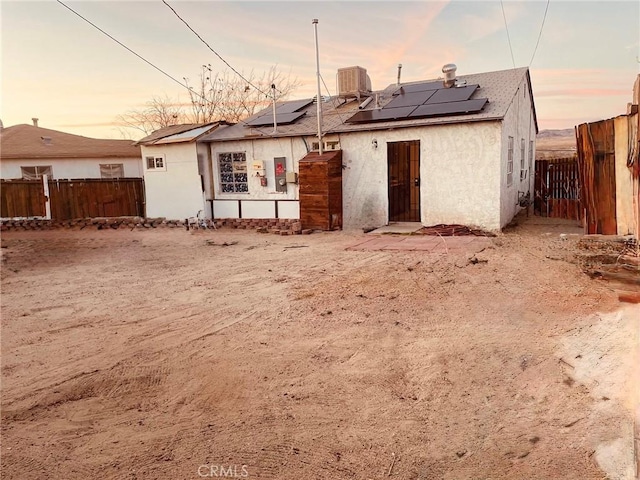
(22, 198)
(557, 189)
(68, 199)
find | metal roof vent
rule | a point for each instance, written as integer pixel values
(353, 82)
(449, 71)
(46, 140)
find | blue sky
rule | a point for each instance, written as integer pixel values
(60, 69)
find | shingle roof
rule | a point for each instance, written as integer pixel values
(499, 87)
(27, 141)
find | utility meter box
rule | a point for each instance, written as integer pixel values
(280, 170)
(292, 177)
(258, 167)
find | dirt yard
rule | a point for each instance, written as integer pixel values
(165, 354)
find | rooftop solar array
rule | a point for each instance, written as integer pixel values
(286, 113)
(281, 119)
(423, 100)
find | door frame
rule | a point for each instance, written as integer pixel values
(403, 195)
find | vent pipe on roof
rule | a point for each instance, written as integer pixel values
(399, 69)
(449, 71)
(35, 121)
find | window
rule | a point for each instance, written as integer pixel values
(111, 170)
(155, 163)
(530, 158)
(510, 163)
(523, 171)
(36, 173)
(328, 145)
(233, 172)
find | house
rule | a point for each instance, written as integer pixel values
(177, 171)
(457, 150)
(87, 177)
(29, 151)
(609, 164)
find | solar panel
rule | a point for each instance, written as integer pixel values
(291, 107)
(420, 87)
(454, 94)
(281, 119)
(451, 108)
(410, 99)
(381, 115)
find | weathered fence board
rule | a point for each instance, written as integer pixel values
(596, 160)
(22, 198)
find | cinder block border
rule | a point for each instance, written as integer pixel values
(262, 225)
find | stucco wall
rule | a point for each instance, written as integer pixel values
(459, 170)
(71, 168)
(265, 150)
(518, 123)
(625, 216)
(176, 192)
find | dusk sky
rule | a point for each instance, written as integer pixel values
(60, 69)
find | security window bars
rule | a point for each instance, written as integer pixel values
(233, 172)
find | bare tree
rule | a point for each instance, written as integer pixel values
(157, 113)
(215, 96)
(226, 96)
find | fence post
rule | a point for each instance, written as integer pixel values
(47, 205)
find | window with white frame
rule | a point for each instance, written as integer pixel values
(510, 163)
(111, 170)
(233, 172)
(156, 162)
(530, 158)
(523, 170)
(36, 173)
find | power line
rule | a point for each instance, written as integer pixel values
(332, 100)
(540, 34)
(127, 48)
(191, 90)
(210, 48)
(508, 37)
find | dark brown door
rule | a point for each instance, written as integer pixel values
(404, 181)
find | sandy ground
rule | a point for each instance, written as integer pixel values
(164, 355)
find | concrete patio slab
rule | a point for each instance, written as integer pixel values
(398, 227)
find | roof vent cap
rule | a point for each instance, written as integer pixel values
(449, 71)
(46, 140)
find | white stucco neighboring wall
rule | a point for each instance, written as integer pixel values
(70, 168)
(625, 204)
(174, 192)
(459, 174)
(518, 123)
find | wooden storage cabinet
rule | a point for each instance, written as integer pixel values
(320, 180)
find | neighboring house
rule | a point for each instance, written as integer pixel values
(28, 152)
(609, 164)
(452, 151)
(177, 171)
